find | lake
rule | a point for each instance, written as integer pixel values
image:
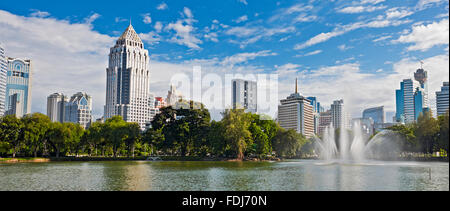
(296, 175)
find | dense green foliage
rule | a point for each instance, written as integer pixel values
(184, 131)
(427, 135)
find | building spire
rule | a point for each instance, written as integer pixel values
(296, 85)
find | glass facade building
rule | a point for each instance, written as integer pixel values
(442, 98)
(377, 114)
(18, 87)
(3, 74)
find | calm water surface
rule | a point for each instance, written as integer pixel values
(234, 176)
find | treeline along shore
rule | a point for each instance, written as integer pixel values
(184, 133)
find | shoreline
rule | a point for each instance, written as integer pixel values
(175, 158)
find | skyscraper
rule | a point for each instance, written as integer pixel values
(244, 95)
(56, 103)
(3, 74)
(325, 120)
(316, 113)
(405, 101)
(340, 118)
(442, 98)
(18, 87)
(296, 112)
(128, 80)
(79, 109)
(173, 96)
(422, 77)
(377, 114)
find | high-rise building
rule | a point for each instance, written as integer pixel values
(340, 118)
(442, 98)
(3, 75)
(325, 120)
(18, 82)
(316, 113)
(422, 77)
(128, 80)
(405, 101)
(79, 109)
(173, 96)
(244, 95)
(377, 114)
(160, 102)
(296, 112)
(56, 103)
(366, 124)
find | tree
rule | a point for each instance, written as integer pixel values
(133, 136)
(288, 142)
(93, 137)
(35, 128)
(427, 131)
(57, 134)
(443, 141)
(11, 127)
(115, 132)
(236, 123)
(409, 142)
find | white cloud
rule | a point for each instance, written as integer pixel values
(425, 37)
(158, 26)
(378, 22)
(241, 19)
(91, 18)
(244, 57)
(344, 47)
(360, 9)
(313, 53)
(382, 38)
(252, 34)
(39, 14)
(150, 38)
(162, 6)
(184, 31)
(147, 19)
(424, 4)
(397, 13)
(67, 57)
(243, 2)
(305, 18)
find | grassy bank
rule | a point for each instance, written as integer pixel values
(24, 160)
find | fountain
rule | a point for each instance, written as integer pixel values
(356, 147)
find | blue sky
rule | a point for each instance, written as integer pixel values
(357, 50)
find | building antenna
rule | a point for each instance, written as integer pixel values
(296, 85)
(421, 64)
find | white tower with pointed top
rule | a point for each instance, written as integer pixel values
(128, 80)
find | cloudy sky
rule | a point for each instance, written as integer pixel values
(357, 50)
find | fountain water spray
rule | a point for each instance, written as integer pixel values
(382, 146)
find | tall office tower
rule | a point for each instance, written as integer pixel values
(18, 82)
(422, 77)
(128, 80)
(405, 101)
(56, 103)
(316, 113)
(296, 112)
(325, 120)
(377, 114)
(173, 96)
(3, 74)
(79, 109)
(244, 95)
(340, 118)
(442, 98)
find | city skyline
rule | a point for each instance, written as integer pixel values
(355, 58)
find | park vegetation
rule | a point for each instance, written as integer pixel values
(185, 131)
(427, 135)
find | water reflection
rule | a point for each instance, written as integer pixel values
(292, 175)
